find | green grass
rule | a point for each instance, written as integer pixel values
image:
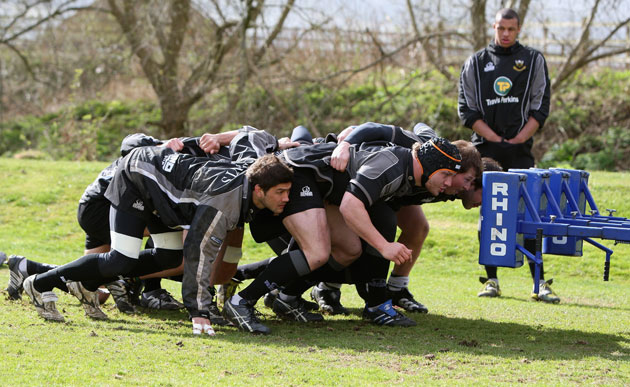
(463, 340)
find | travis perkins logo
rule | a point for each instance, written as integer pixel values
(519, 65)
(502, 87)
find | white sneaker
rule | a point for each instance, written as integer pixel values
(88, 299)
(45, 303)
(545, 294)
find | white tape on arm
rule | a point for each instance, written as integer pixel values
(232, 254)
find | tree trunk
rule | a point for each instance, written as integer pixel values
(174, 118)
(479, 24)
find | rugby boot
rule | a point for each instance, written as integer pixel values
(385, 314)
(44, 302)
(545, 294)
(243, 316)
(490, 288)
(294, 310)
(16, 278)
(88, 299)
(329, 300)
(404, 299)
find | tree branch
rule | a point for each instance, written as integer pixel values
(275, 32)
(424, 43)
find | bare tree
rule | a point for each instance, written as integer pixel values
(19, 18)
(157, 30)
(588, 48)
(433, 53)
(479, 24)
(521, 7)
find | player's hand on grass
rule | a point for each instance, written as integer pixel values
(396, 252)
(201, 326)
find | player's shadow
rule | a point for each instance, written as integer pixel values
(436, 334)
(571, 304)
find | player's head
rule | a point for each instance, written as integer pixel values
(472, 197)
(471, 168)
(440, 161)
(507, 26)
(271, 180)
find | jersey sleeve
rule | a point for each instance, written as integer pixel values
(371, 131)
(137, 140)
(541, 92)
(252, 143)
(379, 176)
(468, 107)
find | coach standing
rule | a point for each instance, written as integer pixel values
(504, 94)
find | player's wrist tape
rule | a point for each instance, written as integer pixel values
(232, 254)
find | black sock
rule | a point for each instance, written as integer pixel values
(33, 267)
(491, 271)
(151, 284)
(153, 260)
(251, 270)
(370, 273)
(332, 271)
(530, 245)
(280, 272)
(85, 268)
(362, 290)
(326, 273)
(298, 286)
(376, 292)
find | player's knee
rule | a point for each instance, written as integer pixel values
(317, 257)
(354, 250)
(115, 263)
(348, 252)
(423, 230)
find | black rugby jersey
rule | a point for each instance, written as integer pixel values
(504, 87)
(209, 197)
(373, 172)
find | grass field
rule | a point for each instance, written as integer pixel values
(463, 339)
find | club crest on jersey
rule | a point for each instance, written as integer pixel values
(519, 65)
(169, 162)
(138, 205)
(502, 86)
(306, 191)
(489, 67)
